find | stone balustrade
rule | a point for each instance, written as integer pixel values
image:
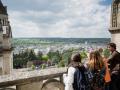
(35, 80)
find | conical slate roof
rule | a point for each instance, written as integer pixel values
(1, 3)
(3, 9)
(116, 1)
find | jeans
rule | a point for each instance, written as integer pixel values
(107, 86)
(115, 83)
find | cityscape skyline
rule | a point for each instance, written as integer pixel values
(59, 18)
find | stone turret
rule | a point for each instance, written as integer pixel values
(6, 60)
(3, 9)
(115, 23)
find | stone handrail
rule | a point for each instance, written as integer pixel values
(28, 77)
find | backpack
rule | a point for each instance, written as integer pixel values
(82, 79)
(98, 79)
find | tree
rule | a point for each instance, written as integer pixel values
(61, 63)
(39, 56)
(32, 56)
(45, 57)
(20, 60)
(55, 56)
(106, 53)
(66, 55)
(83, 54)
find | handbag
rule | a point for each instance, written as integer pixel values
(107, 76)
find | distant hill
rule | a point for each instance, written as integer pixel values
(18, 41)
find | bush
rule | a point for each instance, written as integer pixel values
(43, 66)
(45, 57)
(33, 67)
(61, 64)
(106, 53)
(83, 55)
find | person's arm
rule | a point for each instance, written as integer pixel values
(112, 57)
(69, 78)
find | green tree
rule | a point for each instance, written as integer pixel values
(20, 60)
(32, 55)
(83, 54)
(55, 57)
(66, 55)
(45, 57)
(39, 56)
(106, 53)
(61, 63)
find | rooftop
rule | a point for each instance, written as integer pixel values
(3, 9)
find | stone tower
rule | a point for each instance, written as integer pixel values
(115, 23)
(6, 57)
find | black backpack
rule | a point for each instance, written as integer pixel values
(98, 82)
(82, 79)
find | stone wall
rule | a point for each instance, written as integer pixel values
(35, 80)
(115, 23)
(7, 62)
(116, 39)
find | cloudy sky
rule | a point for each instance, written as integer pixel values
(59, 18)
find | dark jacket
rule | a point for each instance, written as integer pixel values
(114, 61)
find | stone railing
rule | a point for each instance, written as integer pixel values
(46, 79)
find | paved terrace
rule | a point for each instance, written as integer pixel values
(34, 80)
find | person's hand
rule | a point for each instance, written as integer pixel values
(64, 75)
(105, 59)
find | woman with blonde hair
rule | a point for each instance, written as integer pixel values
(97, 67)
(96, 61)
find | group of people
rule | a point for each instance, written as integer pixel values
(99, 73)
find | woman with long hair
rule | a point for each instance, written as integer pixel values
(97, 67)
(96, 61)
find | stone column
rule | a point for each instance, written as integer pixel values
(7, 62)
(1, 63)
(116, 39)
(1, 49)
(115, 23)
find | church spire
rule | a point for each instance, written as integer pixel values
(1, 4)
(116, 1)
(3, 9)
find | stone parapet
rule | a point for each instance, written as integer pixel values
(28, 78)
(114, 30)
(116, 39)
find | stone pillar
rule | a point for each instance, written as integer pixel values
(61, 78)
(30, 86)
(116, 39)
(115, 23)
(1, 49)
(5, 41)
(1, 63)
(7, 62)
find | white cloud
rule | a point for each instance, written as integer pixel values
(76, 18)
